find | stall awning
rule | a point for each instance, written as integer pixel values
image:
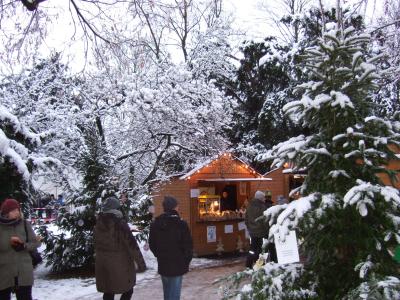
(234, 179)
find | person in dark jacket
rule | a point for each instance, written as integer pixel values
(17, 238)
(171, 242)
(258, 229)
(118, 256)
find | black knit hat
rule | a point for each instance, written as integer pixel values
(111, 203)
(169, 203)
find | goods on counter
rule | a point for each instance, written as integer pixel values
(225, 215)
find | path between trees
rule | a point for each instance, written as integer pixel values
(197, 284)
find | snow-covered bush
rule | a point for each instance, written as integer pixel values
(272, 281)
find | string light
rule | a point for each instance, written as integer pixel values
(213, 162)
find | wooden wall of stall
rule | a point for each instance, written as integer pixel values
(229, 240)
(175, 188)
(393, 165)
(279, 185)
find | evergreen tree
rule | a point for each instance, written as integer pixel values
(73, 246)
(266, 79)
(18, 158)
(262, 88)
(347, 220)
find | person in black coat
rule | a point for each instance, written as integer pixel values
(171, 242)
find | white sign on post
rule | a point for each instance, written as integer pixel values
(211, 234)
(287, 251)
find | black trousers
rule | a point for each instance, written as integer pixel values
(254, 252)
(272, 252)
(22, 293)
(125, 296)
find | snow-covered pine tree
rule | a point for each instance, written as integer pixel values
(346, 220)
(72, 246)
(267, 76)
(18, 158)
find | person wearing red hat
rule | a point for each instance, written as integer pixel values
(17, 238)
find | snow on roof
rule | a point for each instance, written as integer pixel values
(270, 171)
(287, 171)
(208, 161)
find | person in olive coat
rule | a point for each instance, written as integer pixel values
(258, 229)
(118, 256)
(17, 238)
(171, 242)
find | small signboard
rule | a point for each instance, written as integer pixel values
(211, 234)
(194, 193)
(246, 234)
(228, 228)
(241, 226)
(287, 250)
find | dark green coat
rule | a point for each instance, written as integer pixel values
(16, 264)
(256, 227)
(117, 252)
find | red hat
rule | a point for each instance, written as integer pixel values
(9, 205)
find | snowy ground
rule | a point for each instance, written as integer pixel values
(203, 272)
(199, 282)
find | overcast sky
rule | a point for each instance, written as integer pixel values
(249, 17)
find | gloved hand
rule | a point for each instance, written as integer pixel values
(17, 244)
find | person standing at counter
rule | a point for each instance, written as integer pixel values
(258, 229)
(227, 202)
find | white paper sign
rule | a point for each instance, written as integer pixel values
(228, 228)
(211, 234)
(246, 233)
(287, 251)
(241, 226)
(194, 193)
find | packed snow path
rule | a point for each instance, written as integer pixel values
(197, 284)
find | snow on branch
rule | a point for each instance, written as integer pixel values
(387, 288)
(42, 162)
(7, 117)
(288, 215)
(18, 159)
(286, 151)
(365, 193)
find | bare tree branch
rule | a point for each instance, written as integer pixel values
(85, 22)
(396, 22)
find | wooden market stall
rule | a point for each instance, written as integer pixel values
(212, 199)
(284, 181)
